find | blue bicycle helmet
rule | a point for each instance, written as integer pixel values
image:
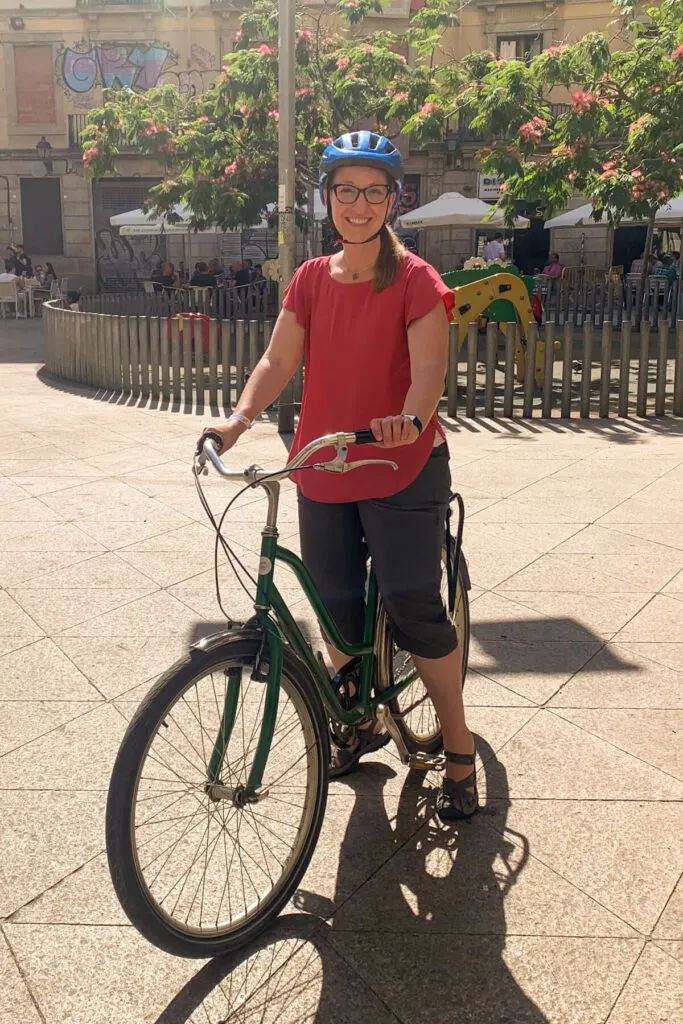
(361, 149)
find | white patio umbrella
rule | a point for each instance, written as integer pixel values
(452, 209)
(138, 222)
(670, 215)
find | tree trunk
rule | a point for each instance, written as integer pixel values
(644, 272)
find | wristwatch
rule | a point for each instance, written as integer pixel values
(415, 420)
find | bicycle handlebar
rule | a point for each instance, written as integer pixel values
(212, 444)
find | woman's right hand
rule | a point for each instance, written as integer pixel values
(229, 434)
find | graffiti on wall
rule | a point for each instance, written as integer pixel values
(123, 262)
(129, 65)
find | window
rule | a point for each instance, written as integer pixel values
(519, 47)
(34, 85)
(41, 216)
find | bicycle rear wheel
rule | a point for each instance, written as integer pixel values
(413, 710)
(201, 872)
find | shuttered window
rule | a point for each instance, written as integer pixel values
(34, 85)
(41, 216)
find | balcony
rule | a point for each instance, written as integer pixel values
(76, 124)
(120, 5)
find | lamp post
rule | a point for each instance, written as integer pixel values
(44, 152)
(285, 195)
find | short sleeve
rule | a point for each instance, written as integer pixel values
(296, 297)
(424, 290)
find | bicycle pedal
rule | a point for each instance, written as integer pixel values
(427, 762)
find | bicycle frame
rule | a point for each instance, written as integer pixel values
(269, 598)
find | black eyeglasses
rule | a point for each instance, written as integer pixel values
(374, 194)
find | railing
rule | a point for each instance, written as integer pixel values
(245, 301)
(605, 372)
(149, 4)
(76, 124)
(588, 294)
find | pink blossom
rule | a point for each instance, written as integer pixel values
(402, 58)
(400, 97)
(582, 101)
(636, 173)
(323, 140)
(244, 110)
(609, 165)
(572, 176)
(265, 49)
(502, 187)
(678, 53)
(203, 118)
(555, 51)
(609, 174)
(305, 35)
(343, 62)
(232, 168)
(238, 35)
(351, 78)
(305, 92)
(368, 48)
(275, 115)
(430, 109)
(533, 130)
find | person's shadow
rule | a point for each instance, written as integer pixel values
(421, 939)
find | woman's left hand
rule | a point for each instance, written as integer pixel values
(393, 431)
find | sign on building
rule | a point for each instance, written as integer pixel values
(488, 186)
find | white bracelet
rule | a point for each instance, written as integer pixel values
(238, 417)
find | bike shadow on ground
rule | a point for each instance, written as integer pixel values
(421, 939)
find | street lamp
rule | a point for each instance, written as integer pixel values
(43, 151)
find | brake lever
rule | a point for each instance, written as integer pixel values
(344, 467)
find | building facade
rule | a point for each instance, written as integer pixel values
(56, 60)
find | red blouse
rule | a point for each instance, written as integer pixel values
(357, 367)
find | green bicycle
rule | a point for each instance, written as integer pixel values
(219, 788)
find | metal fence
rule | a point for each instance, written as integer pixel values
(585, 373)
(254, 301)
(588, 294)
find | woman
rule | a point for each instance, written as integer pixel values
(372, 324)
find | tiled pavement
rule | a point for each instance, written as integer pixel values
(562, 902)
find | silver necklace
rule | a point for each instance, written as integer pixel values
(355, 274)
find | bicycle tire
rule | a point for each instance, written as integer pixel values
(161, 708)
(392, 662)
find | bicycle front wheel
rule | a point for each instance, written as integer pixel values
(413, 709)
(199, 869)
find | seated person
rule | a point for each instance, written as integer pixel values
(166, 277)
(553, 269)
(202, 278)
(637, 265)
(216, 270)
(666, 268)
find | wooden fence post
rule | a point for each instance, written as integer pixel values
(530, 371)
(643, 369)
(548, 370)
(471, 396)
(662, 352)
(605, 369)
(452, 373)
(509, 382)
(678, 370)
(491, 360)
(625, 368)
(587, 370)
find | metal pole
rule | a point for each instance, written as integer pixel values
(285, 198)
(10, 226)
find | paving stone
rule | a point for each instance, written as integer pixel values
(15, 1001)
(653, 736)
(626, 854)
(40, 671)
(117, 665)
(553, 759)
(486, 979)
(45, 836)
(653, 992)
(78, 755)
(534, 670)
(660, 620)
(670, 924)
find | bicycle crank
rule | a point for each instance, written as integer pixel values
(421, 761)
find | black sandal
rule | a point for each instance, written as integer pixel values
(458, 800)
(348, 757)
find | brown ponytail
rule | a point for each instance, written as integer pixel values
(390, 260)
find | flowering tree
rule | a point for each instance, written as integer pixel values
(218, 151)
(620, 143)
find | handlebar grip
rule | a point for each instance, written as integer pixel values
(365, 437)
(210, 435)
